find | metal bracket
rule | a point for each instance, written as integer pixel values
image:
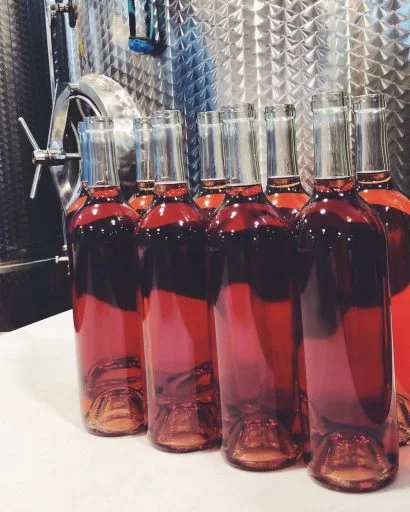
(70, 8)
(47, 156)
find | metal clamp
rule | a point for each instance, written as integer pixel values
(44, 156)
(69, 8)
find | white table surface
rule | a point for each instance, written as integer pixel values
(48, 463)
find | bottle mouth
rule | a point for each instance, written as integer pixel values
(280, 110)
(329, 100)
(166, 117)
(369, 102)
(98, 123)
(142, 123)
(210, 118)
(240, 111)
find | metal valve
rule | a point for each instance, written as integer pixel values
(69, 8)
(44, 156)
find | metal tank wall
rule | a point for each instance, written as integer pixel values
(32, 286)
(260, 51)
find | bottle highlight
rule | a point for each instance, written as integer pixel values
(181, 385)
(345, 357)
(104, 289)
(377, 188)
(252, 296)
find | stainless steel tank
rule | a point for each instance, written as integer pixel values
(224, 51)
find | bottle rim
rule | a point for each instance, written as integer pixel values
(329, 100)
(211, 117)
(238, 111)
(141, 123)
(280, 110)
(166, 117)
(376, 101)
(98, 123)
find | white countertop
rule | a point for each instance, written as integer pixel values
(48, 463)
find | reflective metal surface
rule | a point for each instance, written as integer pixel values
(224, 51)
(32, 286)
(94, 95)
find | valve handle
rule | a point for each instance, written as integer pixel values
(36, 147)
(27, 130)
(36, 179)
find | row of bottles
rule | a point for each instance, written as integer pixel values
(255, 326)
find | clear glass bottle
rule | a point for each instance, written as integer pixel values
(376, 187)
(253, 299)
(345, 356)
(103, 267)
(181, 386)
(213, 178)
(284, 189)
(144, 184)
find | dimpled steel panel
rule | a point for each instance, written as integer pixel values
(29, 230)
(260, 51)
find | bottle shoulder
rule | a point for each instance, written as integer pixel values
(387, 197)
(294, 200)
(241, 216)
(165, 212)
(327, 216)
(111, 214)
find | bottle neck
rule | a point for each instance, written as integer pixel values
(242, 152)
(337, 187)
(375, 180)
(245, 193)
(213, 186)
(211, 149)
(144, 185)
(168, 155)
(174, 191)
(280, 135)
(143, 151)
(106, 193)
(332, 143)
(100, 163)
(372, 154)
(288, 184)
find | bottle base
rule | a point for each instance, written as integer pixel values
(116, 412)
(260, 443)
(362, 484)
(186, 444)
(183, 428)
(352, 462)
(403, 418)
